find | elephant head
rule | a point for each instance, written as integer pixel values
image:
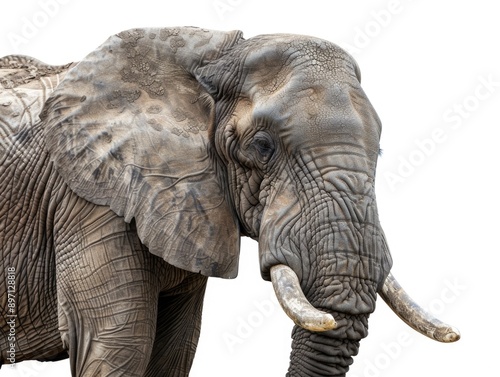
(202, 137)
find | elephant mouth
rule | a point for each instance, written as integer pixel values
(297, 307)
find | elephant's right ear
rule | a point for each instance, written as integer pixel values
(129, 127)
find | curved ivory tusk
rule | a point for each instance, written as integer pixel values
(413, 315)
(294, 303)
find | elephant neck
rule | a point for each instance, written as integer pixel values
(30, 180)
(29, 188)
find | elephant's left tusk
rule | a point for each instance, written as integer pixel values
(294, 303)
(413, 315)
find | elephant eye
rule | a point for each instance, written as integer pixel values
(263, 144)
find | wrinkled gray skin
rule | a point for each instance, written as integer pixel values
(145, 166)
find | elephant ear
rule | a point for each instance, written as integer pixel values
(129, 127)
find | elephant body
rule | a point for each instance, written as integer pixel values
(35, 195)
(127, 180)
(28, 182)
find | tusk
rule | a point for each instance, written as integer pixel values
(413, 315)
(294, 303)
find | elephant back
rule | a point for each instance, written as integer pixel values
(25, 84)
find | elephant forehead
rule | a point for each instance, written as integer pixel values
(320, 114)
(312, 83)
(297, 51)
(282, 59)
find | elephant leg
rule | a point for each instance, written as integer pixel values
(108, 286)
(178, 328)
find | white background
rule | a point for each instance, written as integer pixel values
(425, 67)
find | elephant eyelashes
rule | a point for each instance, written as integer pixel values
(263, 145)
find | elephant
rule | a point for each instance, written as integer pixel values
(128, 179)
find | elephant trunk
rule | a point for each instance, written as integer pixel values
(322, 345)
(322, 354)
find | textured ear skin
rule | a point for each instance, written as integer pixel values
(129, 128)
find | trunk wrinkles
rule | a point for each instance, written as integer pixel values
(339, 237)
(343, 260)
(320, 354)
